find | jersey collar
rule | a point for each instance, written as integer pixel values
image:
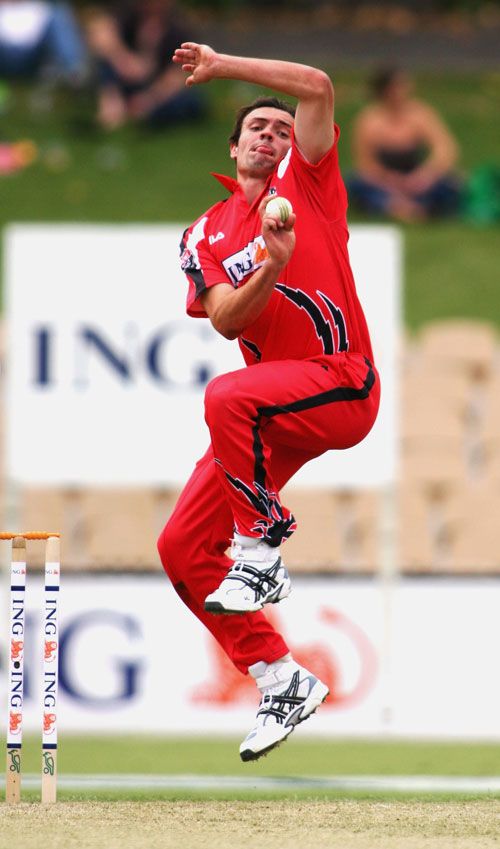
(229, 183)
(234, 187)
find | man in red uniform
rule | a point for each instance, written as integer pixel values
(286, 291)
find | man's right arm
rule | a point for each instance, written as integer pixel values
(232, 310)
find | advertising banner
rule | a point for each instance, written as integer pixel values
(133, 659)
(106, 374)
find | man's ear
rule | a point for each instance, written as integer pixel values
(233, 151)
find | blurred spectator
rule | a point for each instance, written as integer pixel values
(404, 155)
(137, 80)
(36, 36)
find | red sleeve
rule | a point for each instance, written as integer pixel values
(200, 267)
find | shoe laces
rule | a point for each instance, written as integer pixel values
(261, 581)
(280, 705)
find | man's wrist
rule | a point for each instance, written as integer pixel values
(222, 66)
(274, 266)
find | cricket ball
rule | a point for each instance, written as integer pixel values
(279, 208)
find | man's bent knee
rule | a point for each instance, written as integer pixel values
(225, 393)
(217, 395)
(169, 544)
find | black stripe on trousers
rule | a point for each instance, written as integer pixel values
(331, 396)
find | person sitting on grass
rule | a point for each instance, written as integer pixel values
(41, 37)
(404, 155)
(136, 79)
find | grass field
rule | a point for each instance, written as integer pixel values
(220, 818)
(192, 755)
(85, 175)
(288, 824)
(299, 759)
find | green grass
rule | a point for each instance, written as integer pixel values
(83, 174)
(299, 758)
(452, 271)
(256, 795)
(160, 755)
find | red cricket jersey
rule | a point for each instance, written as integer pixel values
(314, 308)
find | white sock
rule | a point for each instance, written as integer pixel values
(247, 542)
(260, 668)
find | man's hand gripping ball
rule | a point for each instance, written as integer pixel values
(278, 221)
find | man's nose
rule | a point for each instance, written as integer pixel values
(266, 134)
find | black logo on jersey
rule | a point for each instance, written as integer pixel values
(332, 330)
(274, 524)
(252, 347)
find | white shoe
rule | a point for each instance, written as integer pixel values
(257, 577)
(289, 695)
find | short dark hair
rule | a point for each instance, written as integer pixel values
(242, 113)
(382, 79)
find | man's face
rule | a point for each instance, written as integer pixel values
(266, 136)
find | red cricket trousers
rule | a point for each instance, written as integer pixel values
(265, 422)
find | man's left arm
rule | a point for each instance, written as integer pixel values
(313, 129)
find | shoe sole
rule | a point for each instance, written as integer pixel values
(249, 755)
(218, 608)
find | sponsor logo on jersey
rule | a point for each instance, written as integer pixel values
(245, 261)
(213, 239)
(188, 262)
